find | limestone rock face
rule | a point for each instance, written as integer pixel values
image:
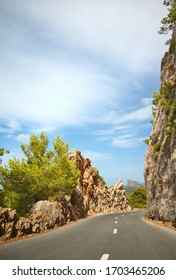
(160, 162)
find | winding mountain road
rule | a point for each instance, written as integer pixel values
(119, 236)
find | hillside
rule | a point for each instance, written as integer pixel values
(131, 185)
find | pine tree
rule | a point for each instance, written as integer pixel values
(40, 175)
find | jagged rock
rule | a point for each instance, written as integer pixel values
(23, 226)
(117, 195)
(8, 220)
(77, 201)
(36, 228)
(94, 195)
(160, 162)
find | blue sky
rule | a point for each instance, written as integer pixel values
(83, 69)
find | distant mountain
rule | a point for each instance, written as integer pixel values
(131, 185)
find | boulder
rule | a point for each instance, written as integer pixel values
(46, 215)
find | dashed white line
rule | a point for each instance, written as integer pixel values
(115, 222)
(105, 257)
(115, 231)
(116, 218)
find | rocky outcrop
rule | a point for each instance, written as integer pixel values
(90, 196)
(8, 220)
(160, 162)
(44, 215)
(52, 214)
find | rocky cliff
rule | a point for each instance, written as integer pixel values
(160, 162)
(90, 196)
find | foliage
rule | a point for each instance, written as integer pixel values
(156, 149)
(96, 171)
(137, 199)
(146, 141)
(169, 22)
(166, 99)
(156, 98)
(131, 189)
(102, 179)
(40, 175)
(2, 198)
(2, 152)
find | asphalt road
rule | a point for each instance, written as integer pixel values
(120, 236)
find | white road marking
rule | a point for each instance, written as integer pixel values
(105, 257)
(115, 222)
(115, 231)
(116, 218)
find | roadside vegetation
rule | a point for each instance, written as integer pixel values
(40, 175)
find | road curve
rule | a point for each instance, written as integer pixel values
(118, 236)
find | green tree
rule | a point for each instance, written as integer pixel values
(40, 175)
(2, 152)
(60, 147)
(2, 204)
(137, 199)
(169, 22)
(37, 151)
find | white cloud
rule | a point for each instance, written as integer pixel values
(45, 87)
(146, 101)
(132, 122)
(138, 115)
(126, 141)
(9, 125)
(64, 94)
(23, 138)
(106, 134)
(109, 28)
(95, 156)
(112, 130)
(141, 114)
